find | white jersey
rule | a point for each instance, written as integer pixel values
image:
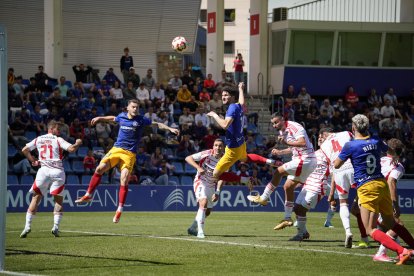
(390, 168)
(333, 145)
(208, 162)
(50, 148)
(292, 133)
(318, 179)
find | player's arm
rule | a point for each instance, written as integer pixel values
(164, 126)
(300, 142)
(216, 195)
(28, 155)
(343, 156)
(281, 152)
(332, 191)
(392, 184)
(190, 160)
(241, 93)
(224, 123)
(105, 119)
(338, 163)
(74, 147)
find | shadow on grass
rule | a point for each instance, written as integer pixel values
(10, 252)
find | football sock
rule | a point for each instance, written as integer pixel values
(289, 209)
(403, 233)
(387, 241)
(301, 224)
(57, 217)
(257, 159)
(29, 218)
(201, 216)
(270, 188)
(230, 177)
(382, 250)
(361, 226)
(194, 224)
(123, 191)
(344, 213)
(330, 215)
(95, 181)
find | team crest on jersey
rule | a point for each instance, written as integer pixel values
(134, 123)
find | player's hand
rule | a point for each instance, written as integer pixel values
(397, 211)
(201, 171)
(211, 114)
(281, 139)
(94, 120)
(276, 152)
(241, 85)
(36, 163)
(215, 197)
(175, 131)
(78, 142)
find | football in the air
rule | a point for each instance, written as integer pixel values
(179, 44)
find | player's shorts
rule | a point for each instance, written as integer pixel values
(375, 196)
(45, 177)
(343, 181)
(231, 156)
(308, 199)
(125, 158)
(299, 169)
(202, 191)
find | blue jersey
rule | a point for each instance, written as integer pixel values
(234, 133)
(130, 131)
(365, 155)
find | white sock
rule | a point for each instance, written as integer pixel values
(57, 217)
(344, 213)
(29, 218)
(270, 188)
(201, 216)
(288, 209)
(120, 209)
(194, 224)
(330, 214)
(301, 224)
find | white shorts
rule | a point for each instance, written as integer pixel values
(201, 191)
(48, 177)
(328, 191)
(308, 199)
(300, 169)
(343, 182)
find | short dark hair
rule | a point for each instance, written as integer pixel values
(325, 129)
(231, 90)
(277, 114)
(395, 146)
(133, 101)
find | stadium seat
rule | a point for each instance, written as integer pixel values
(174, 180)
(82, 152)
(72, 179)
(68, 83)
(27, 179)
(178, 167)
(259, 140)
(188, 169)
(66, 166)
(12, 179)
(86, 178)
(11, 151)
(186, 180)
(77, 167)
(26, 82)
(30, 135)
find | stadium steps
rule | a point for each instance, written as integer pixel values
(261, 106)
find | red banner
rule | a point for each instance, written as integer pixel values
(211, 22)
(254, 24)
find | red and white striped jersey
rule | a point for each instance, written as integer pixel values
(208, 162)
(50, 148)
(292, 133)
(317, 181)
(391, 168)
(333, 145)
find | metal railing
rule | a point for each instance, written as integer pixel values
(260, 84)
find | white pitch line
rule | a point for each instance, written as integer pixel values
(221, 242)
(17, 273)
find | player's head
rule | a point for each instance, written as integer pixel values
(229, 95)
(218, 147)
(360, 124)
(323, 134)
(133, 107)
(395, 147)
(278, 122)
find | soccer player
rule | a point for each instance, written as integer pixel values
(297, 170)
(204, 184)
(343, 180)
(123, 153)
(235, 143)
(50, 175)
(373, 192)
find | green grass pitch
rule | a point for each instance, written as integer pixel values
(148, 243)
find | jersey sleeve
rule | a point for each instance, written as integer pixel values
(345, 152)
(300, 133)
(118, 118)
(32, 144)
(232, 111)
(200, 155)
(63, 143)
(397, 172)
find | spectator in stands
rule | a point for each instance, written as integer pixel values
(373, 97)
(116, 94)
(110, 77)
(208, 140)
(244, 173)
(103, 132)
(204, 96)
(38, 120)
(55, 100)
(150, 114)
(21, 123)
(326, 106)
(32, 87)
(216, 102)
(351, 97)
(90, 134)
(156, 157)
(81, 74)
(102, 94)
(170, 93)
(129, 92)
(21, 164)
(126, 63)
(143, 161)
(76, 129)
(390, 95)
(183, 96)
(64, 130)
(185, 147)
(78, 91)
(10, 77)
(132, 76)
(187, 80)
(68, 113)
(324, 119)
(63, 87)
(186, 117)
(162, 173)
(290, 93)
(238, 64)
(202, 116)
(225, 80)
(251, 145)
(176, 82)
(209, 84)
(254, 179)
(42, 78)
(387, 110)
(89, 162)
(304, 99)
(157, 95)
(149, 80)
(192, 105)
(143, 96)
(389, 127)
(18, 87)
(339, 105)
(199, 130)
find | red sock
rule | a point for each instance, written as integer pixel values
(230, 177)
(95, 180)
(256, 158)
(361, 226)
(123, 191)
(403, 233)
(387, 241)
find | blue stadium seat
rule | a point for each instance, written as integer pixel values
(27, 179)
(66, 166)
(83, 151)
(188, 169)
(251, 128)
(30, 135)
(173, 180)
(11, 151)
(12, 179)
(73, 155)
(86, 178)
(186, 180)
(77, 167)
(72, 179)
(25, 82)
(259, 140)
(68, 83)
(178, 167)
(98, 149)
